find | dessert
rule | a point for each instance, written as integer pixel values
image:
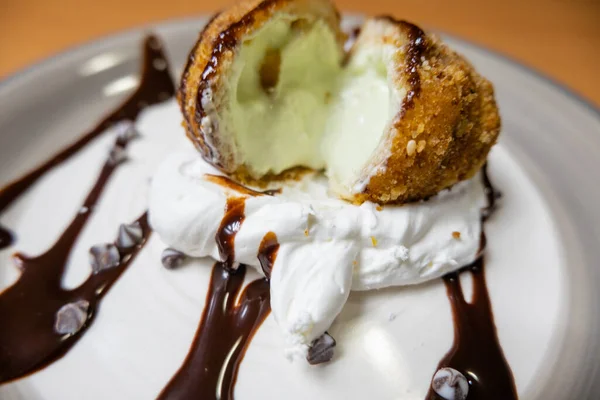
(269, 91)
(327, 246)
(395, 198)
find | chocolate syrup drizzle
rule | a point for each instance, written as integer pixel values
(28, 308)
(227, 326)
(231, 184)
(230, 225)
(267, 253)
(476, 351)
(28, 341)
(225, 331)
(6, 237)
(231, 316)
(416, 46)
(155, 87)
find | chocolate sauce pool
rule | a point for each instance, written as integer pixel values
(156, 86)
(476, 351)
(28, 309)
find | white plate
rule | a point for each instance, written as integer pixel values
(542, 268)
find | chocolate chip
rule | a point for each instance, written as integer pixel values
(159, 64)
(71, 317)
(130, 235)
(116, 155)
(450, 384)
(172, 258)
(104, 256)
(126, 131)
(321, 349)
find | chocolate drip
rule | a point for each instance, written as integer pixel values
(28, 308)
(414, 49)
(231, 184)
(225, 331)
(230, 225)
(224, 44)
(183, 85)
(156, 86)
(6, 237)
(267, 252)
(191, 59)
(351, 37)
(476, 351)
(227, 325)
(492, 195)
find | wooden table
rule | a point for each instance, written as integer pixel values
(561, 38)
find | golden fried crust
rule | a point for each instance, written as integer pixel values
(202, 90)
(444, 136)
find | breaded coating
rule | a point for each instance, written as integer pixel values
(440, 134)
(443, 135)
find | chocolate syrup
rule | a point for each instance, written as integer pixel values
(224, 333)
(225, 43)
(28, 341)
(476, 351)
(492, 195)
(267, 252)
(156, 86)
(230, 225)
(416, 46)
(227, 324)
(6, 237)
(351, 37)
(182, 93)
(241, 189)
(28, 308)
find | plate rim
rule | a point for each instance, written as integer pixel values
(22, 76)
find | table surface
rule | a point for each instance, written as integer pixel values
(560, 38)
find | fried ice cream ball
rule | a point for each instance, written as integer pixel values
(269, 91)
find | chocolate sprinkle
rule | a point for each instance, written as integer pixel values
(450, 384)
(129, 235)
(321, 349)
(117, 155)
(71, 317)
(172, 258)
(126, 131)
(104, 256)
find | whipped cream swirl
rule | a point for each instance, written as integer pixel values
(328, 247)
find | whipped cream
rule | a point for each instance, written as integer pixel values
(328, 247)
